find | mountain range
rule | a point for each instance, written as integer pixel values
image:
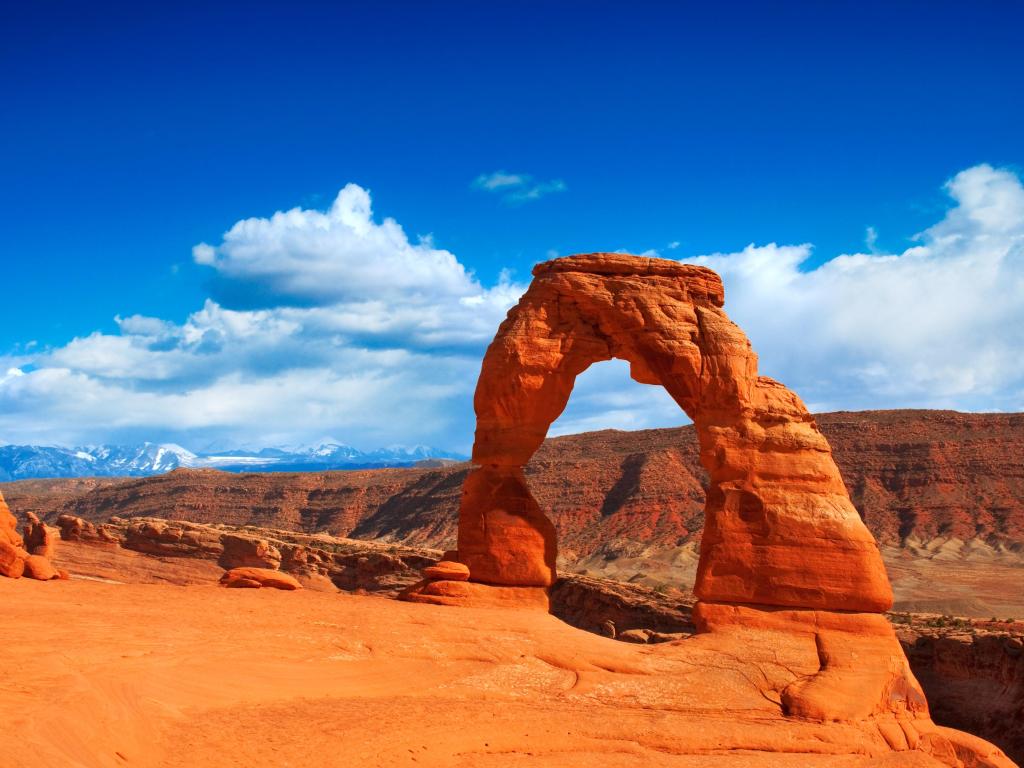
(20, 462)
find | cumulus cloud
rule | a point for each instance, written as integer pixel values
(374, 339)
(364, 333)
(340, 254)
(940, 324)
(517, 187)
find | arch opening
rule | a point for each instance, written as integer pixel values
(620, 478)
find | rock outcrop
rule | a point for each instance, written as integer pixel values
(318, 562)
(248, 552)
(39, 567)
(26, 555)
(38, 538)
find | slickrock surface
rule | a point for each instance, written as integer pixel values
(626, 611)
(163, 676)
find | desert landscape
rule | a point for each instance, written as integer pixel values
(942, 492)
(777, 651)
(512, 385)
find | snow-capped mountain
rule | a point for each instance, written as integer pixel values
(18, 462)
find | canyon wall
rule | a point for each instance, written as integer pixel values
(915, 476)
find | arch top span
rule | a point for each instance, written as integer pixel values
(702, 284)
(780, 529)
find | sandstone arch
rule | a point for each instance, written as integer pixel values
(780, 529)
(789, 577)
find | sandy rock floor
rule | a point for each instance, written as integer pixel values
(99, 674)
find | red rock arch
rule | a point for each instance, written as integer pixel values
(780, 529)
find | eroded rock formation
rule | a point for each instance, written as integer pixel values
(26, 555)
(189, 553)
(779, 527)
(785, 562)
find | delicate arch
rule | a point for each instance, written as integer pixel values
(779, 525)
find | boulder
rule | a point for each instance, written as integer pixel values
(264, 577)
(12, 551)
(39, 567)
(242, 583)
(8, 525)
(447, 569)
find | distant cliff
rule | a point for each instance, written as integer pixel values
(916, 476)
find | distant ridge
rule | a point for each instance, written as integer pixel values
(920, 478)
(24, 462)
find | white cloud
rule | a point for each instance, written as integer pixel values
(940, 324)
(376, 340)
(517, 187)
(871, 239)
(340, 254)
(365, 335)
(500, 180)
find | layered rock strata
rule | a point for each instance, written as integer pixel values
(930, 485)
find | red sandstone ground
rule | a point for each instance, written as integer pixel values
(973, 672)
(942, 491)
(152, 675)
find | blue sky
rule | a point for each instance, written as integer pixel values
(503, 133)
